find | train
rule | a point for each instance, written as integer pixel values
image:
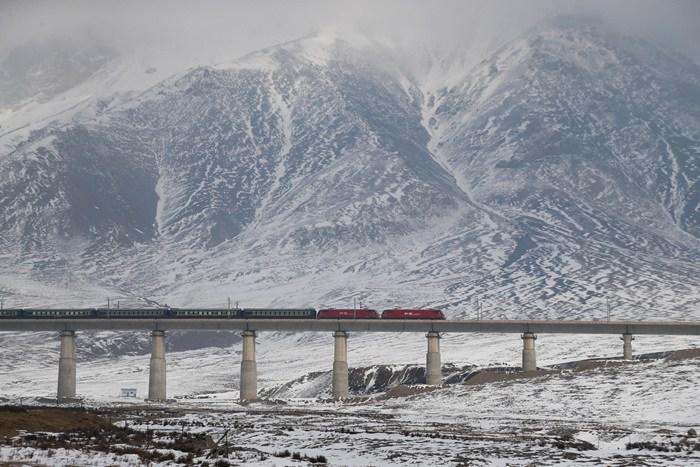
(221, 313)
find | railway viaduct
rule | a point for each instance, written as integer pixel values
(528, 330)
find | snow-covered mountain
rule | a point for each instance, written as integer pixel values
(560, 170)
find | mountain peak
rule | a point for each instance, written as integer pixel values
(318, 48)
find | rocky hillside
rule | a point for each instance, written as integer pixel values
(559, 172)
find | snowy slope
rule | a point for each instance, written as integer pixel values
(558, 173)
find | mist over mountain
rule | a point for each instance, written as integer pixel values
(541, 176)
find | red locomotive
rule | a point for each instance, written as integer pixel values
(347, 313)
(427, 313)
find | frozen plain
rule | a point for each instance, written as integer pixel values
(498, 423)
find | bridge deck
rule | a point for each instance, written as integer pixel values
(359, 325)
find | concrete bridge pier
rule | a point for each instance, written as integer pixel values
(340, 366)
(249, 368)
(529, 356)
(433, 366)
(627, 346)
(156, 378)
(66, 366)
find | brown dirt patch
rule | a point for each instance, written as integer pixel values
(403, 390)
(592, 364)
(492, 376)
(684, 354)
(50, 419)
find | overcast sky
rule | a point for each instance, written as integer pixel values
(199, 32)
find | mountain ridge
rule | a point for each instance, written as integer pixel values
(336, 173)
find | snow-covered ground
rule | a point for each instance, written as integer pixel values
(282, 358)
(516, 422)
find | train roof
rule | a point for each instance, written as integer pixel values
(56, 310)
(280, 309)
(205, 309)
